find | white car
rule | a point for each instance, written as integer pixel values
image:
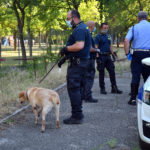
(143, 111)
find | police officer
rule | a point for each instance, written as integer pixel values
(140, 36)
(90, 73)
(77, 50)
(103, 42)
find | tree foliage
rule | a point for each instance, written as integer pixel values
(42, 16)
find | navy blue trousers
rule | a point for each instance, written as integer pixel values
(89, 80)
(104, 61)
(137, 68)
(75, 80)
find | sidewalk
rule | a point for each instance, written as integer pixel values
(109, 124)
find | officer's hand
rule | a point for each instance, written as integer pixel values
(63, 51)
(129, 56)
(113, 58)
(62, 61)
(115, 54)
(97, 50)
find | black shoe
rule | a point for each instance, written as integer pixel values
(72, 121)
(132, 102)
(103, 91)
(92, 100)
(115, 90)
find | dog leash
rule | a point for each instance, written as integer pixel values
(50, 70)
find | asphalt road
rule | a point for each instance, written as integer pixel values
(109, 124)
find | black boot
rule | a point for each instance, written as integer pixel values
(115, 90)
(134, 92)
(91, 100)
(103, 91)
(72, 120)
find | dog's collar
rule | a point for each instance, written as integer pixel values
(27, 95)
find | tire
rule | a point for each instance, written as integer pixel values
(144, 145)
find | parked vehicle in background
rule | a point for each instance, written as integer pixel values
(143, 112)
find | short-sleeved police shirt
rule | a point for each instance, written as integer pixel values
(80, 33)
(141, 33)
(103, 41)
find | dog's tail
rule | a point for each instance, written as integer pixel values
(56, 100)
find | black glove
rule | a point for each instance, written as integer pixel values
(97, 50)
(63, 51)
(62, 61)
(115, 54)
(113, 58)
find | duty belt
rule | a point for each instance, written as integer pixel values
(141, 50)
(76, 61)
(138, 50)
(104, 53)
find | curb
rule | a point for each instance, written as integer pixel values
(25, 107)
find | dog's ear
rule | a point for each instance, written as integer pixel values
(22, 94)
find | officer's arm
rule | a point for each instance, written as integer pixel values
(96, 46)
(76, 47)
(92, 49)
(111, 49)
(127, 41)
(126, 46)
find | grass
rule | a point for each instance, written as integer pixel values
(112, 143)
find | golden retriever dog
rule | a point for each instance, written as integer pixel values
(45, 99)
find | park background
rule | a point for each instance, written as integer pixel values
(33, 32)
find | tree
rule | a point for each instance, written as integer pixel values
(19, 7)
(31, 14)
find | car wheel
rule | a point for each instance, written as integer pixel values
(144, 145)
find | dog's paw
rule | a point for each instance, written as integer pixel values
(36, 122)
(57, 124)
(42, 131)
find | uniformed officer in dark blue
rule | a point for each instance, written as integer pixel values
(103, 42)
(139, 34)
(90, 73)
(78, 51)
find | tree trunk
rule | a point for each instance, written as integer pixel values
(30, 40)
(118, 42)
(75, 4)
(39, 39)
(50, 42)
(47, 43)
(30, 44)
(20, 19)
(140, 5)
(0, 49)
(15, 40)
(22, 44)
(114, 38)
(101, 10)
